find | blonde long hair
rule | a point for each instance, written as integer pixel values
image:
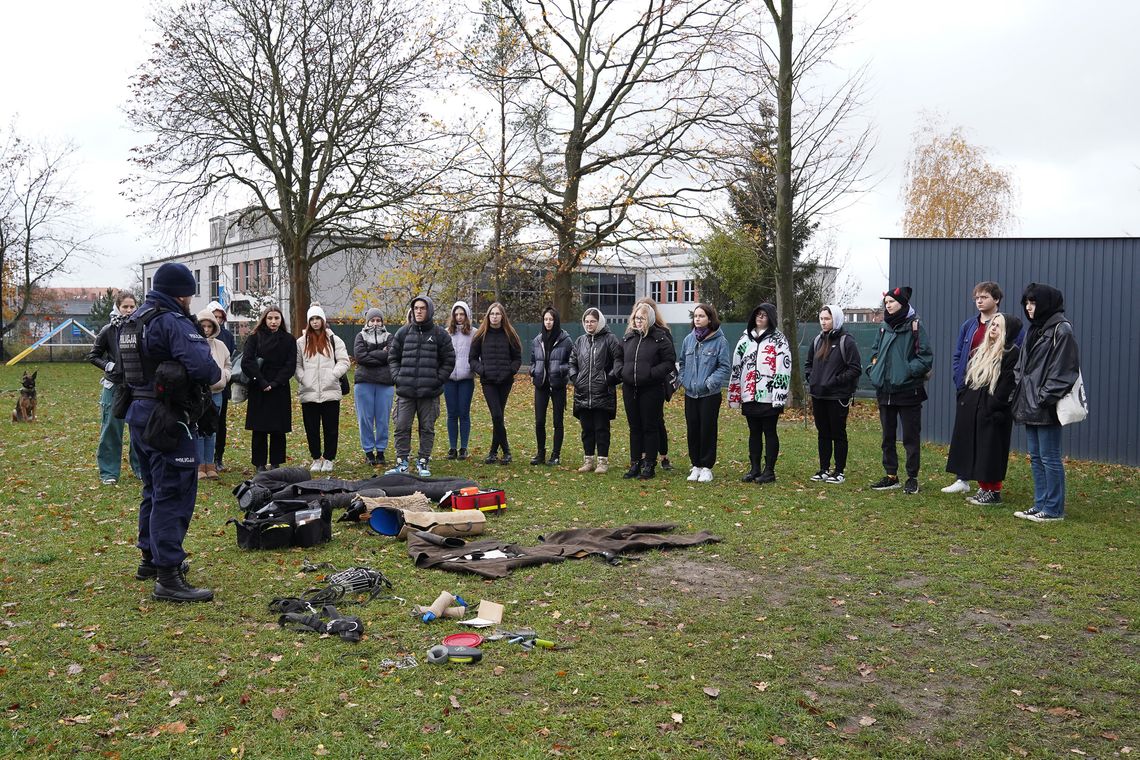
(984, 366)
(647, 311)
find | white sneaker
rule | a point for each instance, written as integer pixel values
(694, 474)
(705, 476)
(328, 466)
(958, 486)
(316, 466)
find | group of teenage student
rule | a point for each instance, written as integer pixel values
(1001, 374)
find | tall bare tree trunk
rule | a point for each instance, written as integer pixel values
(295, 250)
(785, 252)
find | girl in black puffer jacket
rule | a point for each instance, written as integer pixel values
(549, 371)
(648, 357)
(595, 370)
(833, 368)
(496, 355)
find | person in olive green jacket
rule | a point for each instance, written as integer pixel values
(901, 360)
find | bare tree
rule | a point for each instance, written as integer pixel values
(498, 60)
(822, 142)
(951, 190)
(41, 225)
(627, 93)
(311, 111)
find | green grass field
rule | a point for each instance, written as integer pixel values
(832, 622)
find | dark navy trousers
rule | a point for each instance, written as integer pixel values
(169, 491)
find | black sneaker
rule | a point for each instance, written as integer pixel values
(666, 464)
(835, 476)
(647, 470)
(538, 459)
(986, 498)
(749, 476)
(1041, 517)
(463, 454)
(380, 458)
(911, 486)
(1027, 514)
(554, 461)
(506, 459)
(819, 477)
(633, 471)
(885, 483)
(371, 457)
(452, 454)
(491, 458)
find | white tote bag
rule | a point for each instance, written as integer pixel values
(1074, 405)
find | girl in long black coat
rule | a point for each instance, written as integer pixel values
(979, 447)
(269, 409)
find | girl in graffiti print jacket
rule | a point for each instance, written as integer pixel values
(758, 386)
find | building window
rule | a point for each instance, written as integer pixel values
(690, 291)
(247, 276)
(214, 269)
(197, 282)
(611, 294)
(148, 284)
(670, 292)
(235, 281)
(268, 274)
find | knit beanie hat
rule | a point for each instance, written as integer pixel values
(900, 294)
(315, 310)
(174, 280)
(373, 312)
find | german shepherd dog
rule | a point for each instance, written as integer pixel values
(26, 405)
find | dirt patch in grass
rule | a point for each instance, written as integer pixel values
(704, 579)
(913, 580)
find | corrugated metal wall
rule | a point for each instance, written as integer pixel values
(1099, 278)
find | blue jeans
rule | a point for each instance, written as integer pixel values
(206, 443)
(1048, 470)
(458, 395)
(109, 455)
(373, 410)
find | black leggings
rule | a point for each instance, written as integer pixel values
(763, 441)
(496, 395)
(542, 398)
(911, 417)
(315, 416)
(595, 431)
(831, 428)
(702, 416)
(267, 448)
(644, 408)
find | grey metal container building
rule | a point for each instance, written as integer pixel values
(1099, 278)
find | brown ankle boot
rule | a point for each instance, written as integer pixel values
(201, 471)
(212, 472)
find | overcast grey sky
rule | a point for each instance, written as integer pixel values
(1048, 87)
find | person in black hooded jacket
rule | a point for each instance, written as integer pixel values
(549, 371)
(648, 357)
(1046, 371)
(595, 370)
(269, 360)
(421, 358)
(833, 368)
(496, 355)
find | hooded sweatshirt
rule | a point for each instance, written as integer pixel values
(224, 335)
(1050, 359)
(461, 342)
(421, 356)
(834, 376)
(218, 350)
(595, 369)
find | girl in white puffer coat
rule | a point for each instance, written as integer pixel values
(322, 360)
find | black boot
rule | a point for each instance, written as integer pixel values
(539, 458)
(452, 454)
(171, 586)
(148, 571)
(463, 454)
(633, 471)
(767, 476)
(648, 466)
(753, 471)
(666, 464)
(555, 459)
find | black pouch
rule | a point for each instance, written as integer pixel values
(265, 533)
(165, 429)
(312, 526)
(121, 399)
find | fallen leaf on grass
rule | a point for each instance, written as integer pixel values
(279, 714)
(498, 670)
(760, 685)
(712, 691)
(73, 720)
(666, 727)
(177, 727)
(74, 669)
(779, 741)
(454, 702)
(105, 678)
(678, 718)
(1027, 708)
(1109, 735)
(812, 709)
(174, 702)
(1092, 629)
(867, 720)
(1066, 712)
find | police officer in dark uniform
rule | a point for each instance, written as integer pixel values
(164, 330)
